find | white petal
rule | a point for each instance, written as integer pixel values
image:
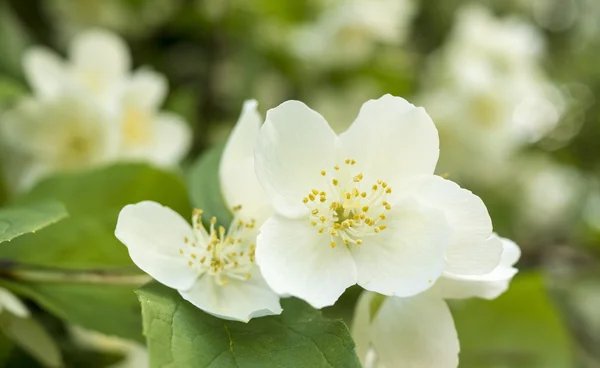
(153, 235)
(361, 326)
(415, 332)
(470, 252)
(294, 144)
(408, 256)
(392, 140)
(239, 183)
(296, 260)
(488, 286)
(172, 139)
(44, 70)
(100, 58)
(146, 89)
(12, 304)
(239, 300)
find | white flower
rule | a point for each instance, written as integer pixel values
(98, 68)
(135, 355)
(65, 132)
(216, 271)
(11, 304)
(489, 98)
(363, 207)
(347, 32)
(419, 331)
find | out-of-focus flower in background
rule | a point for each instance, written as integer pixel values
(489, 98)
(89, 110)
(347, 32)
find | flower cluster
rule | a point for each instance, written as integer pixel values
(489, 98)
(315, 213)
(89, 110)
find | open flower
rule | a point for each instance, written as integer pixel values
(363, 207)
(99, 69)
(419, 331)
(214, 270)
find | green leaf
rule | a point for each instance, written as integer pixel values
(31, 336)
(520, 329)
(85, 241)
(110, 309)
(181, 335)
(205, 188)
(94, 199)
(16, 221)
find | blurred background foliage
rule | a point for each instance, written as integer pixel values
(217, 53)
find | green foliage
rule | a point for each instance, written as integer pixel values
(33, 338)
(94, 199)
(521, 329)
(75, 269)
(205, 188)
(181, 335)
(16, 221)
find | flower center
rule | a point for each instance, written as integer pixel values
(224, 254)
(347, 210)
(136, 126)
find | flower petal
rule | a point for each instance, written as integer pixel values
(488, 286)
(470, 252)
(392, 140)
(153, 234)
(44, 71)
(172, 139)
(238, 179)
(408, 256)
(294, 144)
(100, 58)
(11, 303)
(296, 260)
(145, 89)
(415, 332)
(239, 300)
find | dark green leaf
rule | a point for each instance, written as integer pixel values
(16, 221)
(181, 335)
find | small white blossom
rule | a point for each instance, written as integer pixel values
(90, 110)
(419, 331)
(363, 207)
(347, 32)
(215, 270)
(489, 98)
(61, 133)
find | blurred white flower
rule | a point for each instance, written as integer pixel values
(91, 110)
(363, 207)
(347, 32)
(216, 271)
(551, 192)
(489, 98)
(135, 355)
(419, 331)
(10, 303)
(57, 134)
